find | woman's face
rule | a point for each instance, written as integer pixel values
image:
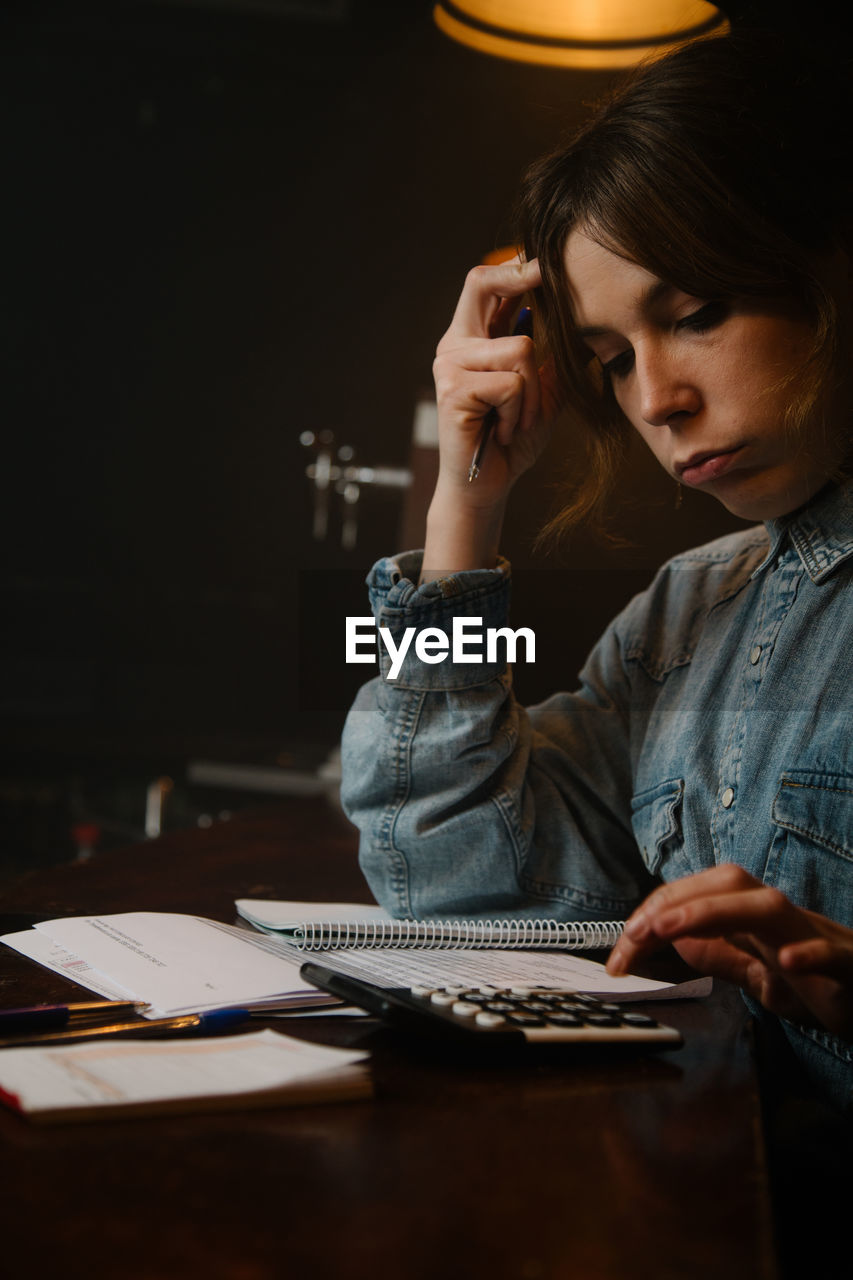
(700, 381)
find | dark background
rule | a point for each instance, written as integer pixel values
(225, 225)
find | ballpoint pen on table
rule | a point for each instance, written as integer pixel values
(189, 1023)
(522, 325)
(44, 1017)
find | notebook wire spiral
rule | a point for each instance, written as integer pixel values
(451, 935)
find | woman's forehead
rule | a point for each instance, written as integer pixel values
(603, 284)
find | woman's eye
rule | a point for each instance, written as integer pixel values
(619, 366)
(706, 317)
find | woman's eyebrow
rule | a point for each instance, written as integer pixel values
(646, 300)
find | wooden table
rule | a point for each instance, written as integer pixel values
(652, 1168)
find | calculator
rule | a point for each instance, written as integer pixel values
(535, 1015)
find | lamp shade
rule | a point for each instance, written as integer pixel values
(577, 33)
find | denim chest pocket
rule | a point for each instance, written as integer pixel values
(656, 817)
(811, 857)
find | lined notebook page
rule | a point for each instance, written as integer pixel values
(504, 969)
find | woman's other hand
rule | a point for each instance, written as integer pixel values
(724, 922)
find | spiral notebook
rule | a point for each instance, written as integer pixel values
(325, 926)
(367, 943)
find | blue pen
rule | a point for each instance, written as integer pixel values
(212, 1023)
(523, 324)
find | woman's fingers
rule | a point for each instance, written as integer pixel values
(498, 373)
(724, 922)
(486, 361)
(717, 957)
(763, 912)
(830, 956)
(483, 310)
(721, 958)
(643, 933)
(722, 901)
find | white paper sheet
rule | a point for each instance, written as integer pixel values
(178, 963)
(119, 1073)
(37, 946)
(285, 915)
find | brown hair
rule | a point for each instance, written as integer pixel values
(721, 169)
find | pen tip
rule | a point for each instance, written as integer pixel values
(473, 472)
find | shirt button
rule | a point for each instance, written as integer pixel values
(727, 798)
(755, 653)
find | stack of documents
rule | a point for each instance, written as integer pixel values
(174, 963)
(116, 1078)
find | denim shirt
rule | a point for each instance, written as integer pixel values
(711, 724)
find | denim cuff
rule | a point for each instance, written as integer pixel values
(431, 625)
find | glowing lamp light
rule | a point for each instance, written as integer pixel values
(589, 34)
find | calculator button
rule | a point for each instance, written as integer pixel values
(484, 1019)
(638, 1020)
(565, 1019)
(422, 991)
(464, 1009)
(499, 1006)
(442, 998)
(595, 1019)
(524, 1019)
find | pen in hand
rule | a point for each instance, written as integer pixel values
(522, 325)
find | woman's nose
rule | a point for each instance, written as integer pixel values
(667, 392)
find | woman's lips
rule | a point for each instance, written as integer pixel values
(706, 466)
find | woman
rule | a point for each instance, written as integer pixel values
(687, 255)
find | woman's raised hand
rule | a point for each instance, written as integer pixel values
(481, 365)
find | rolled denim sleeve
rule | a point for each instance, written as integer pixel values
(467, 803)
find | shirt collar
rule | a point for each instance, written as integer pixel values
(821, 532)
